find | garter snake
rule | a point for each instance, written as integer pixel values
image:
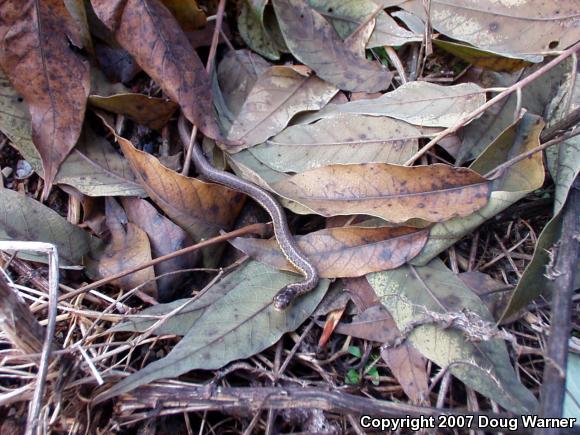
(282, 233)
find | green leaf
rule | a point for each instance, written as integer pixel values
(374, 375)
(412, 294)
(572, 398)
(355, 351)
(238, 324)
(352, 377)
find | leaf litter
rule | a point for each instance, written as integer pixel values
(325, 104)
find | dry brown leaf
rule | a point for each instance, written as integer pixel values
(149, 111)
(128, 247)
(410, 369)
(165, 237)
(330, 323)
(395, 193)
(375, 324)
(314, 42)
(187, 13)
(36, 54)
(344, 252)
(201, 209)
(278, 94)
(147, 30)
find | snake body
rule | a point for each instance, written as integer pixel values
(282, 233)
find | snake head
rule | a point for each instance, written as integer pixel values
(285, 296)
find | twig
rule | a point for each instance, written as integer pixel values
(553, 385)
(250, 229)
(570, 120)
(513, 88)
(208, 67)
(176, 398)
(47, 248)
(498, 170)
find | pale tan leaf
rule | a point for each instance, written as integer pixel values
(519, 27)
(343, 139)
(278, 94)
(420, 103)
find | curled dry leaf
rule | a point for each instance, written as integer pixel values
(253, 31)
(239, 323)
(342, 139)
(127, 247)
(53, 78)
(481, 58)
(201, 209)
(150, 111)
(513, 27)
(23, 218)
(344, 252)
(314, 42)
(188, 14)
(147, 30)
(165, 237)
(278, 94)
(395, 193)
(347, 15)
(419, 103)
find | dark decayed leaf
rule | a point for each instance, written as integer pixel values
(314, 42)
(410, 368)
(147, 30)
(127, 247)
(344, 251)
(149, 111)
(422, 294)
(36, 54)
(165, 237)
(240, 323)
(23, 218)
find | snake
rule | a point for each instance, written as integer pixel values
(286, 241)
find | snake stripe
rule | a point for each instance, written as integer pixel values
(282, 233)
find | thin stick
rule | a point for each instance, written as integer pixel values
(208, 68)
(501, 168)
(250, 229)
(513, 88)
(50, 249)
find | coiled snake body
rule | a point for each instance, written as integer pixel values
(283, 235)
